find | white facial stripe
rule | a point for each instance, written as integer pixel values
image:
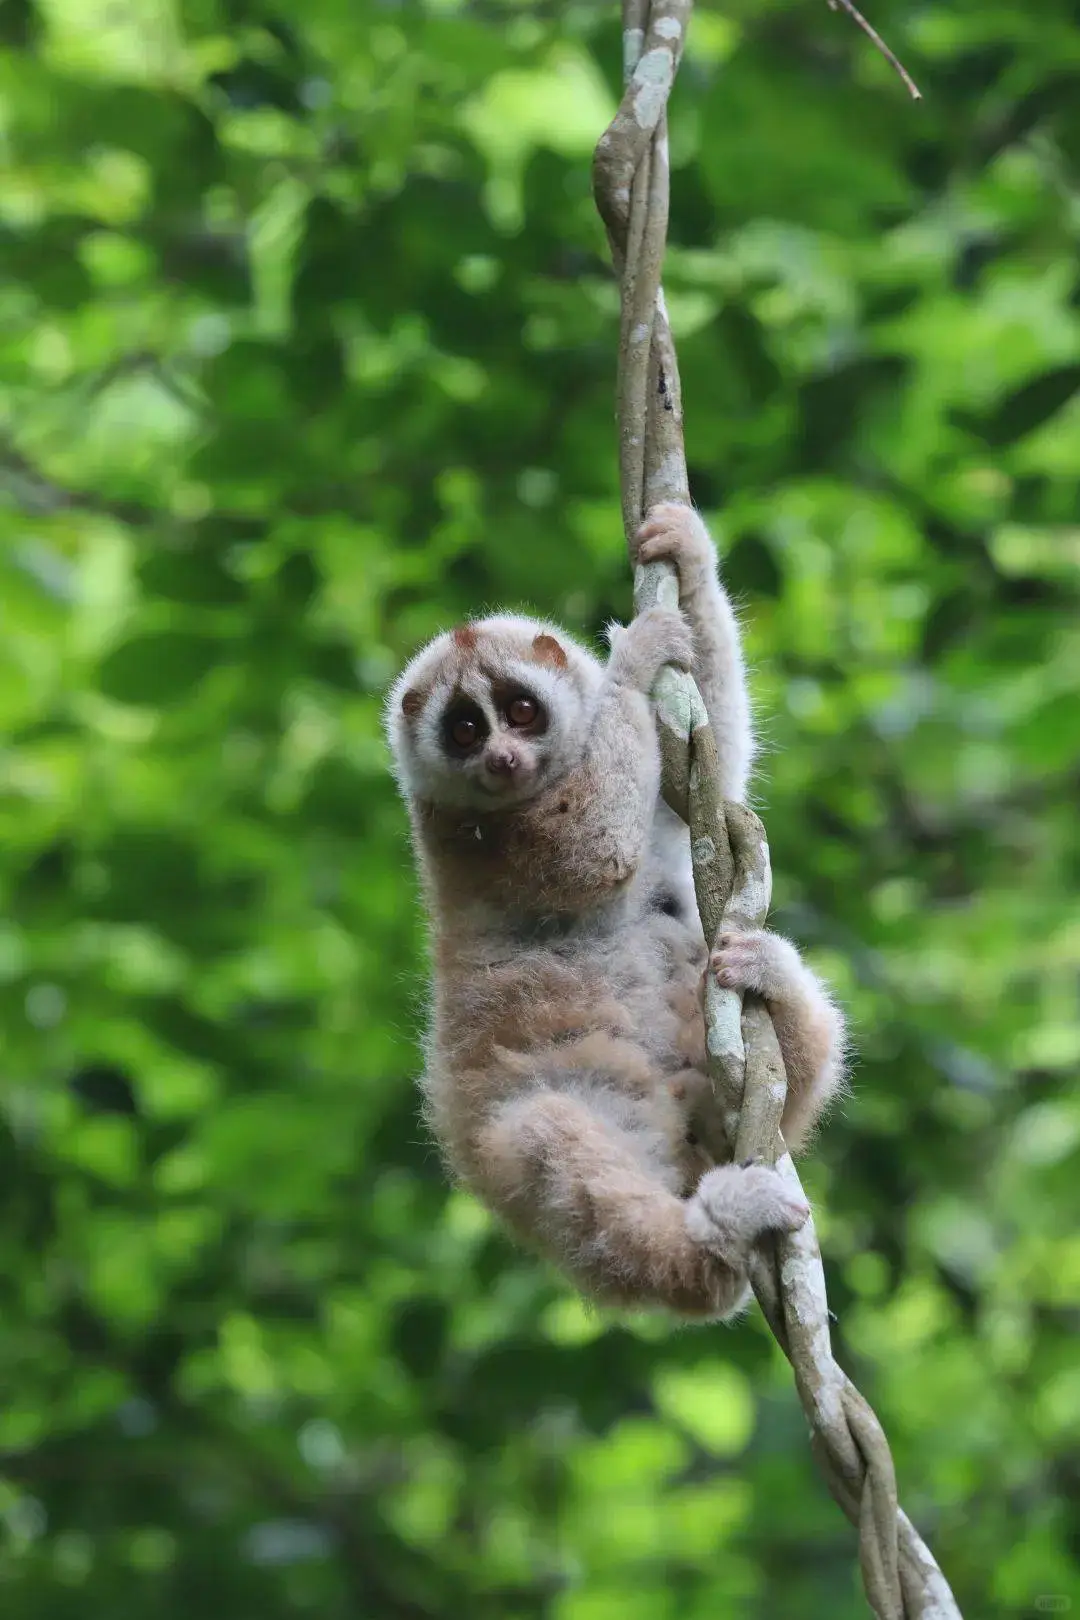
(473, 686)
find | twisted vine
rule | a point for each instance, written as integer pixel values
(740, 1117)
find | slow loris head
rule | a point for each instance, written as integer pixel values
(489, 714)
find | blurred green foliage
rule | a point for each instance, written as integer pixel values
(307, 348)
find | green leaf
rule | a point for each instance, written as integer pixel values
(156, 670)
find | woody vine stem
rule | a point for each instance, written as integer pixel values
(740, 1115)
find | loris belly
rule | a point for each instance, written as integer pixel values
(555, 1018)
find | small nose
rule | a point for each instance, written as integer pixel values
(501, 761)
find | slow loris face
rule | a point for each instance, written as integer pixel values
(490, 714)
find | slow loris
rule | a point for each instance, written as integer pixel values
(567, 949)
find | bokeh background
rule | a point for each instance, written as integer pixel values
(307, 345)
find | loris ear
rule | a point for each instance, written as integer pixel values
(412, 703)
(546, 650)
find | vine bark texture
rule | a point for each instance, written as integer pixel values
(740, 1116)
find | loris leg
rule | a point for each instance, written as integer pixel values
(571, 1181)
(809, 1026)
(676, 534)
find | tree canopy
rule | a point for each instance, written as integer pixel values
(307, 349)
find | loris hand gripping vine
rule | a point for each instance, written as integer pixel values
(567, 950)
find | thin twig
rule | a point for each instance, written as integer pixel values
(872, 34)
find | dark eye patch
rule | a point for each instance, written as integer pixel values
(504, 694)
(463, 727)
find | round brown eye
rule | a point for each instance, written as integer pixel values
(464, 733)
(522, 711)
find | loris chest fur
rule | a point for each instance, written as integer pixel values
(560, 853)
(572, 989)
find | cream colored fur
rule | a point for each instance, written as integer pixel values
(566, 1042)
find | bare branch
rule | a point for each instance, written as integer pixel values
(26, 487)
(872, 34)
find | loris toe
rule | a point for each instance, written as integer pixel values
(756, 960)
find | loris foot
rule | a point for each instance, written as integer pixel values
(639, 652)
(808, 1025)
(735, 1205)
(674, 533)
(758, 961)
